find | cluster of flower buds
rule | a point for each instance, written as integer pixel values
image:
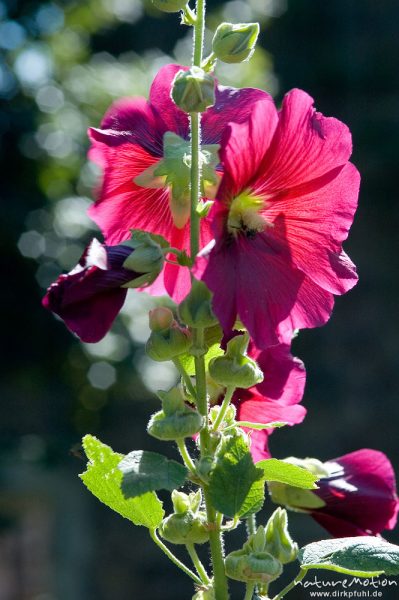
(261, 558)
(253, 563)
(176, 420)
(187, 524)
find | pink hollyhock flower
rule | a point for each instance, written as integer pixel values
(130, 143)
(356, 495)
(283, 209)
(89, 297)
(276, 399)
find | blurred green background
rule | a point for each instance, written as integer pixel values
(61, 65)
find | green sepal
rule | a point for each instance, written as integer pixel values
(144, 471)
(185, 528)
(176, 420)
(193, 90)
(235, 368)
(235, 42)
(253, 563)
(278, 540)
(169, 343)
(103, 479)
(362, 556)
(195, 309)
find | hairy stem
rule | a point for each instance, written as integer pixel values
(216, 544)
(188, 461)
(223, 409)
(249, 591)
(173, 558)
(197, 563)
(185, 376)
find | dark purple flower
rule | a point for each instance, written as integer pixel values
(89, 297)
(359, 494)
(356, 494)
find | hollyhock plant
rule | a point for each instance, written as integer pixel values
(283, 209)
(356, 494)
(130, 147)
(89, 297)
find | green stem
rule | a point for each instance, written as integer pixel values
(251, 525)
(173, 558)
(220, 585)
(223, 409)
(197, 563)
(291, 585)
(249, 591)
(186, 377)
(195, 121)
(185, 455)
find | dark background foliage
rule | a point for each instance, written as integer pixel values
(56, 541)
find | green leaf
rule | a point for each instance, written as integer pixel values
(250, 425)
(231, 485)
(103, 479)
(187, 360)
(149, 471)
(284, 472)
(254, 501)
(363, 556)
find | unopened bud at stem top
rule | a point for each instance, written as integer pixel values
(170, 6)
(193, 90)
(234, 43)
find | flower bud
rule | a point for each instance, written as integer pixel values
(195, 310)
(235, 368)
(194, 90)
(278, 541)
(167, 343)
(187, 524)
(147, 258)
(182, 502)
(185, 528)
(258, 567)
(176, 420)
(170, 6)
(234, 43)
(161, 318)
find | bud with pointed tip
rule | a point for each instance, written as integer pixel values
(234, 43)
(235, 368)
(193, 90)
(176, 420)
(187, 524)
(278, 540)
(195, 310)
(166, 344)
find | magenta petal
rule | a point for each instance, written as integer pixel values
(131, 120)
(360, 493)
(255, 280)
(174, 118)
(306, 145)
(231, 106)
(317, 218)
(285, 376)
(244, 145)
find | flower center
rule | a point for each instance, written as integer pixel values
(245, 215)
